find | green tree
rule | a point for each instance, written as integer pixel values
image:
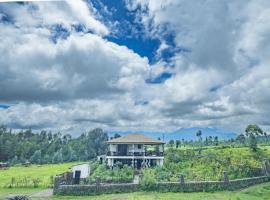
(241, 138)
(216, 140)
(116, 135)
(57, 157)
(178, 143)
(36, 157)
(199, 135)
(252, 131)
(171, 143)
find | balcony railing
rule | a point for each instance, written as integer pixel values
(158, 154)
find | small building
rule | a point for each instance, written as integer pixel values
(3, 165)
(135, 150)
(81, 171)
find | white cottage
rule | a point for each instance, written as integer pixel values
(82, 170)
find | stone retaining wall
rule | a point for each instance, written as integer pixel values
(160, 187)
(208, 185)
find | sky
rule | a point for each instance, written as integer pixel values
(74, 65)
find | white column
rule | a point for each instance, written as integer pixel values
(133, 149)
(109, 162)
(161, 162)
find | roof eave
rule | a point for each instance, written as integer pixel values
(108, 142)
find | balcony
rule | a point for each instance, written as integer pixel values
(131, 154)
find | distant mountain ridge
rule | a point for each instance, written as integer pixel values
(183, 133)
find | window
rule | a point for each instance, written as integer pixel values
(139, 146)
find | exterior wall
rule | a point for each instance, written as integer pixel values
(113, 148)
(160, 148)
(84, 168)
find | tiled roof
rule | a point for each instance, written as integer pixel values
(135, 139)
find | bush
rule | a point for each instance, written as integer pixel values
(148, 179)
(117, 175)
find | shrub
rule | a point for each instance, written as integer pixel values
(117, 175)
(148, 179)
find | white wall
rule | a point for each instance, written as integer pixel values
(84, 168)
(160, 148)
(113, 148)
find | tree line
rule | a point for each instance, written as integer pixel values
(253, 134)
(46, 147)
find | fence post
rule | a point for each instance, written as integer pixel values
(225, 177)
(56, 183)
(98, 180)
(266, 167)
(181, 179)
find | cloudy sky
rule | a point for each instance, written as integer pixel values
(135, 64)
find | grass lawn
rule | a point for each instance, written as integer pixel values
(41, 172)
(259, 192)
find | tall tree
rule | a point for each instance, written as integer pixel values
(216, 140)
(178, 143)
(171, 143)
(241, 138)
(199, 135)
(252, 131)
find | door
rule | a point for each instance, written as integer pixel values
(139, 164)
(77, 177)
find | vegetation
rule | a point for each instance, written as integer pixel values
(120, 174)
(45, 147)
(239, 162)
(252, 131)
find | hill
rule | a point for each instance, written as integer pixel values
(183, 133)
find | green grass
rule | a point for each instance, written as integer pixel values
(258, 192)
(42, 172)
(22, 191)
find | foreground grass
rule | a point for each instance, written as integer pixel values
(23, 191)
(259, 192)
(43, 173)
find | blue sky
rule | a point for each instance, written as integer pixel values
(134, 65)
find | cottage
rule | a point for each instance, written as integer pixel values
(135, 150)
(81, 171)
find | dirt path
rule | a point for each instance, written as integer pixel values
(43, 194)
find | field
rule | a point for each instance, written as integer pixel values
(259, 192)
(24, 176)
